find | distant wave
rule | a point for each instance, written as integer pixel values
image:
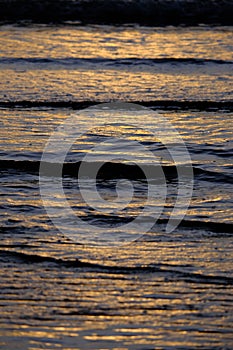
(171, 271)
(202, 105)
(144, 12)
(70, 61)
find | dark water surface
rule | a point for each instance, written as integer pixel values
(165, 290)
(143, 12)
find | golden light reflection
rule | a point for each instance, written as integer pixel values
(123, 306)
(110, 42)
(113, 84)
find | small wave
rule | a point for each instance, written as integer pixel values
(132, 61)
(216, 227)
(201, 105)
(113, 170)
(144, 12)
(222, 228)
(34, 258)
(171, 271)
(212, 176)
(216, 150)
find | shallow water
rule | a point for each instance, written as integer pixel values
(164, 290)
(133, 64)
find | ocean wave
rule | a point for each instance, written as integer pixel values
(144, 12)
(200, 226)
(71, 61)
(113, 170)
(200, 105)
(170, 271)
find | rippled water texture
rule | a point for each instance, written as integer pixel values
(133, 64)
(164, 290)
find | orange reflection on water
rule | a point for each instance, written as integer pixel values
(111, 42)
